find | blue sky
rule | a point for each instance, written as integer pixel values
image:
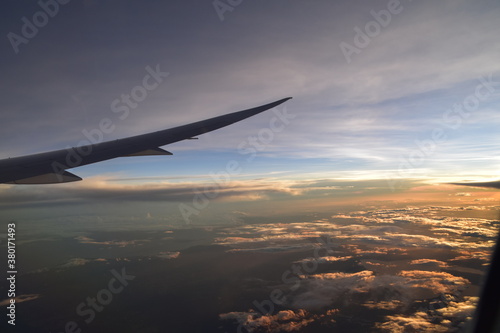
(385, 111)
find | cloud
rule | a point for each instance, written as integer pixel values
(88, 240)
(168, 255)
(484, 256)
(283, 321)
(284, 248)
(375, 250)
(323, 290)
(429, 263)
(383, 230)
(104, 188)
(441, 227)
(437, 282)
(271, 237)
(324, 260)
(20, 299)
(384, 305)
(420, 322)
(74, 262)
(449, 318)
(460, 310)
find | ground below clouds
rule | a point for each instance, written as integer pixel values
(375, 270)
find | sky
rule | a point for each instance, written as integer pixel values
(394, 91)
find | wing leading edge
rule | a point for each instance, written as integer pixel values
(50, 167)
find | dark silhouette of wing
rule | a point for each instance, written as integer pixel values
(50, 167)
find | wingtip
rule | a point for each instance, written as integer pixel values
(283, 100)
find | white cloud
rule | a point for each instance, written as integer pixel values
(330, 289)
(429, 263)
(324, 260)
(460, 310)
(419, 322)
(283, 321)
(447, 319)
(119, 243)
(73, 262)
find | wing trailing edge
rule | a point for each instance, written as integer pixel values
(151, 152)
(48, 178)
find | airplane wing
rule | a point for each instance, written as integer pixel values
(50, 167)
(493, 184)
